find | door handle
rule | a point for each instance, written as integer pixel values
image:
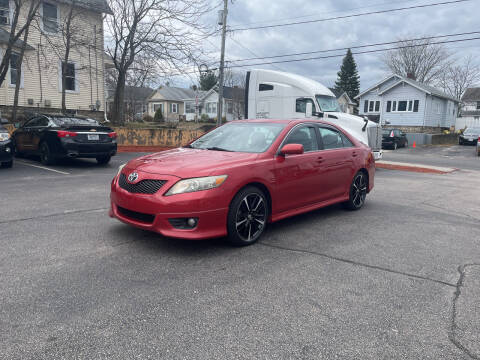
(354, 154)
(320, 160)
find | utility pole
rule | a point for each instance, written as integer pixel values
(223, 22)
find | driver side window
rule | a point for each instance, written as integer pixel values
(304, 135)
(301, 105)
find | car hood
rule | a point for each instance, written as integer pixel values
(187, 163)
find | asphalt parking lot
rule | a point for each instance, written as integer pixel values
(399, 279)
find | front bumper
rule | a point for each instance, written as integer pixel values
(469, 141)
(378, 154)
(153, 212)
(6, 151)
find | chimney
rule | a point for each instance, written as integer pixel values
(411, 76)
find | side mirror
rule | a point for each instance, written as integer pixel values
(3, 121)
(292, 149)
(309, 110)
(16, 125)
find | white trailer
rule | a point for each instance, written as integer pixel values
(279, 95)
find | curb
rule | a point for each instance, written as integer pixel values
(426, 169)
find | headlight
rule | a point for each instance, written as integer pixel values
(120, 169)
(196, 184)
(4, 136)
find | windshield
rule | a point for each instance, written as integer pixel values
(240, 137)
(62, 121)
(327, 103)
(472, 131)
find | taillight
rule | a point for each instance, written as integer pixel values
(112, 135)
(63, 133)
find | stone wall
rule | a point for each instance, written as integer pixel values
(156, 137)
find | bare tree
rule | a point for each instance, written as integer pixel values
(460, 76)
(163, 29)
(422, 59)
(17, 30)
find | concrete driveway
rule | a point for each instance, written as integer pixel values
(399, 279)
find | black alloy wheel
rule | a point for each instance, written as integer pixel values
(358, 191)
(103, 160)
(45, 154)
(247, 217)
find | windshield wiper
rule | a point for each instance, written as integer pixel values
(216, 148)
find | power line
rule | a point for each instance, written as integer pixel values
(338, 55)
(350, 16)
(357, 47)
(355, 53)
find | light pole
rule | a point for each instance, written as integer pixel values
(221, 21)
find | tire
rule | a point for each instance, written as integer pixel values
(7, 164)
(247, 216)
(45, 154)
(358, 192)
(103, 160)
(405, 145)
(460, 142)
(395, 146)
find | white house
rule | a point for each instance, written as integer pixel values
(404, 102)
(41, 83)
(346, 104)
(470, 113)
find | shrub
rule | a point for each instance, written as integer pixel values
(159, 115)
(148, 118)
(204, 118)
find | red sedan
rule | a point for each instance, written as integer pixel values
(237, 178)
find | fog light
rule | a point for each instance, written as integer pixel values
(8, 149)
(192, 222)
(184, 223)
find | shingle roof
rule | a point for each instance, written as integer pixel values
(96, 5)
(336, 92)
(471, 113)
(133, 93)
(5, 35)
(472, 94)
(233, 93)
(175, 93)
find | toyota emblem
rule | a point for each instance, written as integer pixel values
(133, 177)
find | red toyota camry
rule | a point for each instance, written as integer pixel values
(237, 178)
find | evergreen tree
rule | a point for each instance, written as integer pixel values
(348, 79)
(208, 80)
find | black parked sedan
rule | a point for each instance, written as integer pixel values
(394, 138)
(6, 146)
(60, 136)
(469, 136)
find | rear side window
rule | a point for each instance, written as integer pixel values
(265, 87)
(332, 139)
(304, 135)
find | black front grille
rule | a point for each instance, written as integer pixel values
(145, 218)
(142, 187)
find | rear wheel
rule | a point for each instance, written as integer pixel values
(103, 160)
(395, 146)
(46, 155)
(247, 216)
(358, 192)
(460, 142)
(405, 145)
(7, 164)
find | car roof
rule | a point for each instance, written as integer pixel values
(286, 121)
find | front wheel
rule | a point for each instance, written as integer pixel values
(358, 192)
(395, 146)
(247, 216)
(103, 160)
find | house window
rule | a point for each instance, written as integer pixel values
(416, 103)
(389, 106)
(4, 12)
(158, 106)
(50, 17)
(394, 106)
(211, 108)
(189, 107)
(69, 69)
(13, 68)
(174, 108)
(478, 105)
(230, 107)
(371, 106)
(402, 106)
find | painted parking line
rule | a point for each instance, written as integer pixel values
(42, 167)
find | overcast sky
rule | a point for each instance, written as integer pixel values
(439, 20)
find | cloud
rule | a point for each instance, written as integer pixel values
(447, 19)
